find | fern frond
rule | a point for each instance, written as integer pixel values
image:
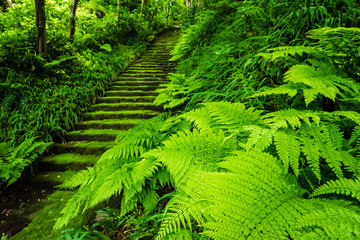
(331, 221)
(350, 187)
(288, 148)
(80, 178)
(260, 137)
(289, 89)
(231, 116)
(255, 199)
(188, 152)
(320, 80)
(312, 152)
(280, 53)
(292, 117)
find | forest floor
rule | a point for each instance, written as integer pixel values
(127, 102)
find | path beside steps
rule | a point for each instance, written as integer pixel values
(128, 101)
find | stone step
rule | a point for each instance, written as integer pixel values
(121, 78)
(124, 106)
(137, 75)
(84, 147)
(151, 64)
(89, 134)
(67, 161)
(128, 114)
(156, 55)
(134, 88)
(50, 179)
(152, 61)
(145, 67)
(147, 71)
(119, 124)
(125, 99)
(150, 58)
(130, 93)
(137, 83)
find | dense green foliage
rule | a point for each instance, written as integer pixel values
(264, 139)
(43, 98)
(280, 160)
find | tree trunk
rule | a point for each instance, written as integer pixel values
(143, 3)
(41, 39)
(10, 4)
(72, 15)
(118, 10)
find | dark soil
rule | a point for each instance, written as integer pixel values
(17, 206)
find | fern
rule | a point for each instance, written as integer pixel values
(13, 160)
(329, 223)
(350, 187)
(255, 199)
(186, 153)
(292, 117)
(289, 52)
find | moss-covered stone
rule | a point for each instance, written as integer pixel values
(120, 114)
(72, 161)
(41, 227)
(121, 93)
(126, 99)
(120, 124)
(124, 106)
(93, 147)
(89, 134)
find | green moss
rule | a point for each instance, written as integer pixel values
(114, 121)
(95, 144)
(70, 158)
(121, 105)
(54, 178)
(140, 112)
(41, 228)
(114, 132)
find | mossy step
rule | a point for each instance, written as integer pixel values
(130, 93)
(132, 74)
(152, 71)
(156, 54)
(119, 124)
(151, 61)
(150, 58)
(138, 83)
(128, 114)
(135, 88)
(86, 148)
(50, 179)
(144, 67)
(125, 99)
(102, 135)
(124, 106)
(122, 78)
(67, 161)
(167, 64)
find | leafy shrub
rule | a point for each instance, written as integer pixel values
(14, 160)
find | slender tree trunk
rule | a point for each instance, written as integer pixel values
(10, 4)
(118, 10)
(41, 39)
(72, 15)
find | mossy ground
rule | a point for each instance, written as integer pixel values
(41, 227)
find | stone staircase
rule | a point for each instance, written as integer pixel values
(128, 101)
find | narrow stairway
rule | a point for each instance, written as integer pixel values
(128, 101)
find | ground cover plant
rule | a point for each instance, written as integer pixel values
(264, 142)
